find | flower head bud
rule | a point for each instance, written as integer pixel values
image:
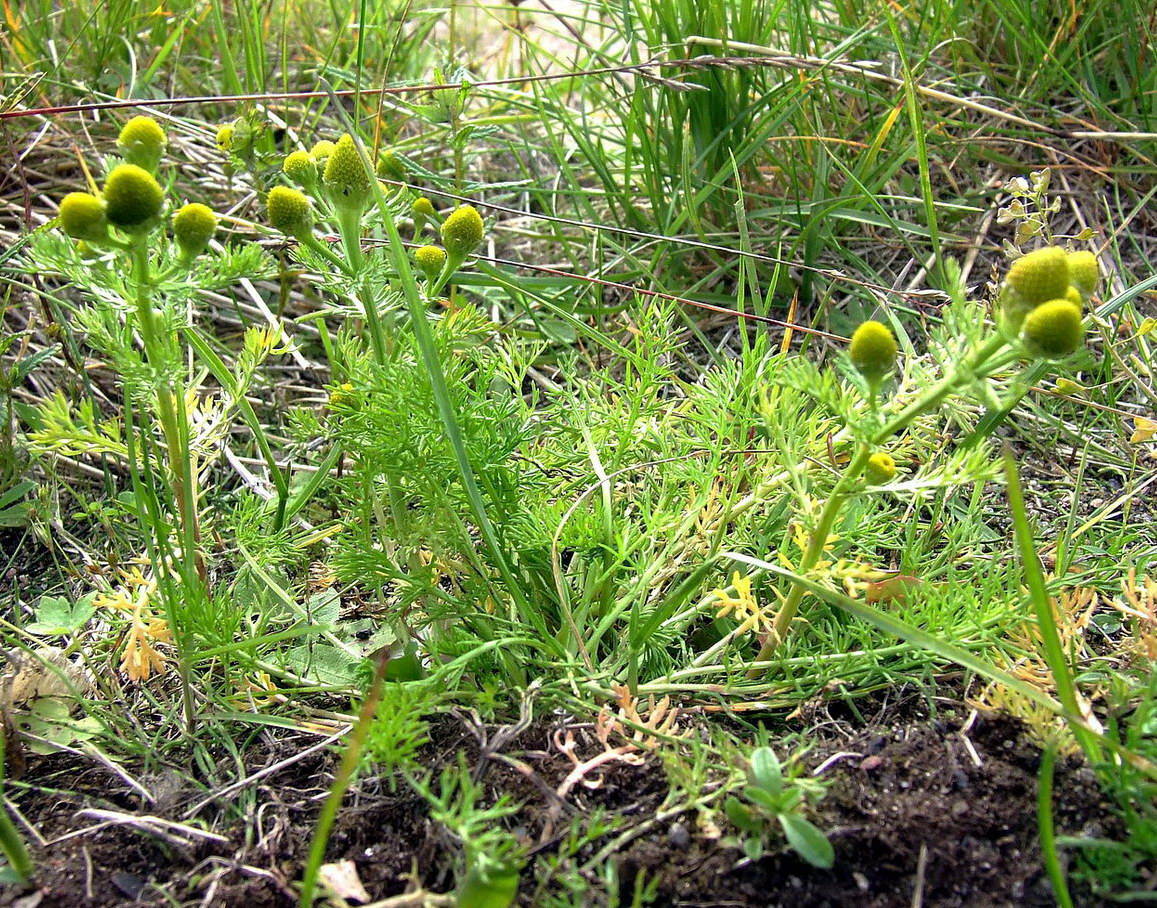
(1073, 295)
(322, 150)
(1084, 273)
(1040, 276)
(881, 468)
(288, 211)
(193, 226)
(1053, 330)
(225, 137)
(462, 231)
(873, 351)
(430, 259)
(132, 197)
(82, 217)
(142, 142)
(420, 212)
(301, 167)
(345, 177)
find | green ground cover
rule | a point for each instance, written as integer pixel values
(409, 361)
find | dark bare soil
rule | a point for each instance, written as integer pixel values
(919, 811)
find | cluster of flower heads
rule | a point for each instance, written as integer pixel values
(131, 202)
(1043, 297)
(335, 174)
(1041, 306)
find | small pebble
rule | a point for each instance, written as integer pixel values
(869, 763)
(678, 836)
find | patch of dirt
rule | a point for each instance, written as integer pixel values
(915, 808)
(915, 805)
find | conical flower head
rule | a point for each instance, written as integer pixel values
(873, 350)
(301, 167)
(346, 178)
(142, 142)
(420, 212)
(462, 232)
(82, 217)
(430, 259)
(1041, 275)
(1084, 272)
(1053, 330)
(132, 197)
(193, 226)
(288, 211)
(881, 468)
(322, 150)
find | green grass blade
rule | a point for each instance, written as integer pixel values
(1054, 650)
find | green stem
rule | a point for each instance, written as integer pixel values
(452, 264)
(972, 365)
(156, 546)
(341, 782)
(1047, 830)
(934, 395)
(176, 441)
(1054, 648)
(349, 222)
(424, 337)
(312, 242)
(814, 552)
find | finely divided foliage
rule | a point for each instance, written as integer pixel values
(677, 359)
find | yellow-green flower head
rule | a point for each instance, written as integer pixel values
(881, 469)
(142, 142)
(132, 197)
(193, 226)
(462, 231)
(1053, 330)
(301, 167)
(288, 211)
(343, 395)
(1041, 275)
(1084, 273)
(345, 174)
(82, 217)
(322, 149)
(423, 207)
(873, 350)
(430, 259)
(1073, 295)
(225, 137)
(390, 167)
